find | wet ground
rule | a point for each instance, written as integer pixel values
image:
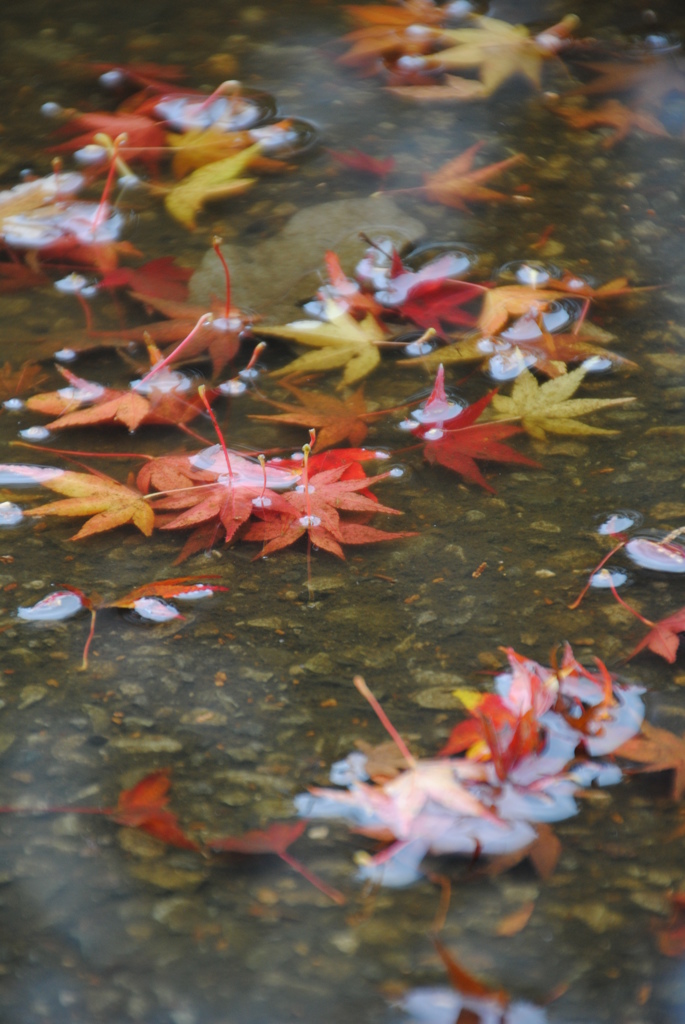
(250, 700)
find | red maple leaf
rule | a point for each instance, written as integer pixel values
(144, 807)
(361, 162)
(659, 750)
(274, 839)
(145, 138)
(436, 303)
(456, 443)
(159, 279)
(664, 636)
(314, 509)
(129, 408)
(334, 419)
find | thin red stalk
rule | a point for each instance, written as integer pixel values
(222, 442)
(327, 890)
(362, 688)
(262, 463)
(92, 455)
(204, 319)
(87, 311)
(624, 604)
(221, 90)
(91, 633)
(600, 565)
(216, 243)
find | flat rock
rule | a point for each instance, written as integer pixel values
(273, 277)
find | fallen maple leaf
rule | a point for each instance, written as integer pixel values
(550, 407)
(216, 180)
(341, 341)
(144, 138)
(456, 183)
(275, 839)
(162, 278)
(314, 510)
(458, 442)
(659, 750)
(616, 115)
(17, 382)
(106, 501)
(129, 408)
(664, 636)
(439, 303)
(144, 807)
(499, 51)
(356, 160)
(334, 419)
(506, 301)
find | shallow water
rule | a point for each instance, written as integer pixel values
(250, 699)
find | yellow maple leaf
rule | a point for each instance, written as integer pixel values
(550, 406)
(341, 341)
(106, 501)
(216, 180)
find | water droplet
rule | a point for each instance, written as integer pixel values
(410, 62)
(65, 355)
(13, 404)
(224, 113)
(196, 594)
(603, 579)
(438, 411)
(90, 155)
(35, 434)
(617, 522)
(434, 434)
(533, 273)
(309, 521)
(651, 553)
(509, 364)
(408, 425)
(597, 364)
(87, 393)
(232, 387)
(112, 79)
(164, 381)
(418, 31)
(397, 472)
(51, 110)
(262, 502)
(60, 605)
(10, 514)
(458, 9)
(419, 348)
(286, 139)
(154, 609)
(249, 374)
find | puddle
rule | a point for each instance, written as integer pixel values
(247, 698)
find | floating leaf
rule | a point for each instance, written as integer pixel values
(551, 407)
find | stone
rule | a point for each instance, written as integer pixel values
(274, 276)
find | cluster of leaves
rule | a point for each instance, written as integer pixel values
(415, 48)
(493, 51)
(528, 749)
(214, 141)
